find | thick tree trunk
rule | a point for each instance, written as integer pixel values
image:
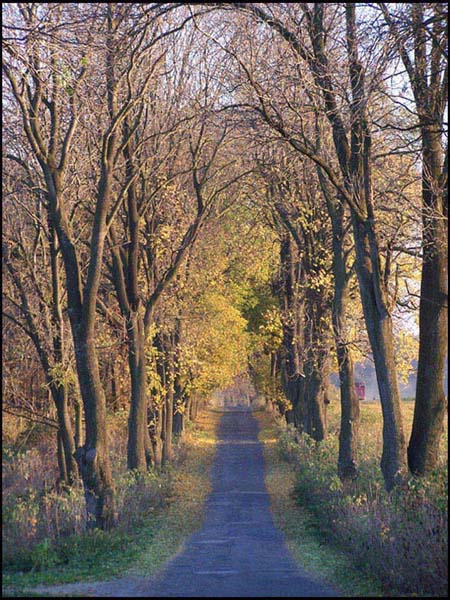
(137, 420)
(430, 407)
(379, 329)
(349, 428)
(316, 373)
(299, 401)
(178, 424)
(93, 458)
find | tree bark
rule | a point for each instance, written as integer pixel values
(78, 438)
(62, 467)
(316, 373)
(431, 404)
(292, 332)
(93, 457)
(65, 435)
(427, 70)
(379, 329)
(137, 421)
(350, 410)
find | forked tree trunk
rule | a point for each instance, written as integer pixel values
(373, 292)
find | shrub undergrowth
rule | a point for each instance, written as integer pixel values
(401, 538)
(45, 528)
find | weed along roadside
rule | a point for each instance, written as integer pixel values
(165, 510)
(365, 541)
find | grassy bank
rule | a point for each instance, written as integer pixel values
(156, 514)
(366, 541)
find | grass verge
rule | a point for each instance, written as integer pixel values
(397, 541)
(145, 548)
(306, 540)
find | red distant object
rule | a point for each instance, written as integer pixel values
(360, 390)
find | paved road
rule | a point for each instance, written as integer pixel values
(238, 552)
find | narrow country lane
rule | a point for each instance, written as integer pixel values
(238, 551)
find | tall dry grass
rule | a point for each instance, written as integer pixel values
(43, 525)
(401, 537)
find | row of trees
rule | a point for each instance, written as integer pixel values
(157, 154)
(119, 165)
(326, 94)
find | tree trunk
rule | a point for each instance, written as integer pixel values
(188, 404)
(350, 413)
(178, 424)
(430, 406)
(65, 434)
(292, 323)
(93, 458)
(156, 433)
(194, 408)
(114, 387)
(178, 400)
(78, 422)
(349, 428)
(314, 415)
(373, 293)
(149, 450)
(169, 407)
(179, 407)
(379, 329)
(137, 420)
(63, 478)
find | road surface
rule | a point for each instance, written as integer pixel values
(238, 552)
